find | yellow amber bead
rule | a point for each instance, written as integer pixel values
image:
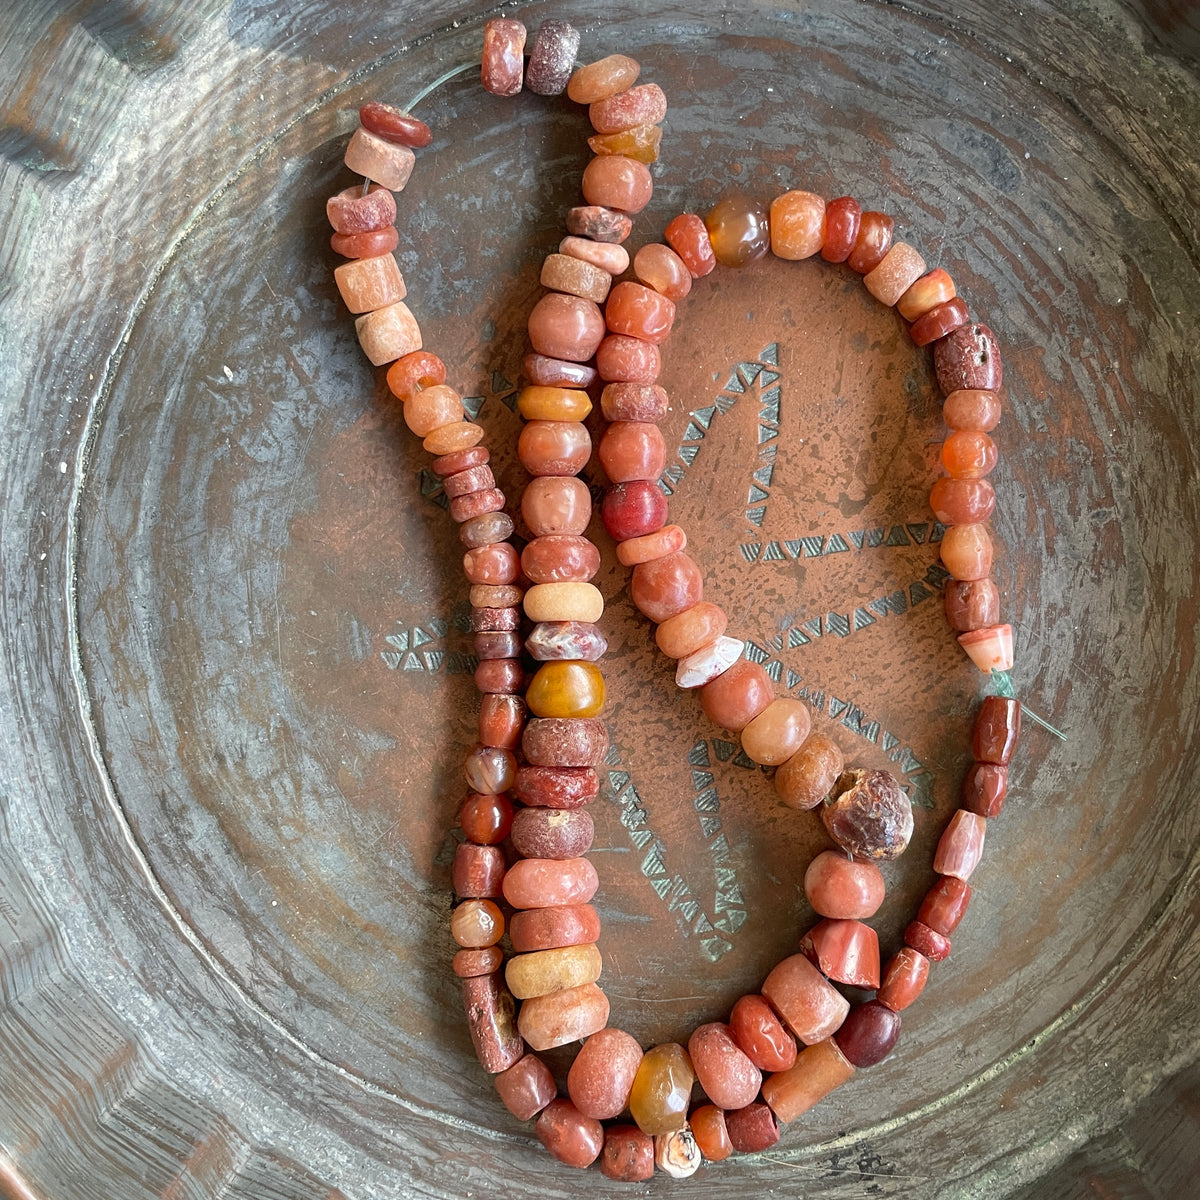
(566, 689)
(553, 404)
(662, 1089)
(640, 142)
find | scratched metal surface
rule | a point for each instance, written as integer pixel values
(238, 686)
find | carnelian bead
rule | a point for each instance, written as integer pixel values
(612, 260)
(962, 501)
(972, 604)
(760, 1033)
(874, 239)
(659, 267)
(544, 971)
(708, 1128)
(632, 450)
(662, 1087)
(475, 924)
(460, 460)
(966, 551)
(415, 371)
(633, 509)
(968, 358)
(388, 333)
(349, 211)
(458, 435)
(845, 951)
(369, 283)
(737, 695)
(549, 883)
(365, 245)
(687, 235)
(739, 230)
(628, 1154)
(868, 1034)
(486, 818)
(376, 158)
(997, 730)
(490, 769)
(842, 219)
(926, 293)
(554, 447)
(960, 847)
(562, 1017)
(604, 78)
(432, 407)
(904, 979)
(599, 223)
(503, 61)
(641, 142)
(639, 311)
(564, 273)
(817, 1071)
(572, 1138)
(690, 630)
(634, 402)
(489, 1010)
(945, 905)
(556, 504)
(385, 121)
(919, 937)
(602, 1075)
(493, 564)
(666, 540)
(972, 408)
(939, 321)
(842, 887)
(752, 1129)
(725, 1072)
(777, 732)
(626, 359)
(892, 276)
(797, 223)
(526, 1087)
(477, 870)
(560, 558)
(487, 529)
(466, 964)
(568, 327)
(561, 925)
(969, 454)
(809, 775)
(553, 404)
(566, 689)
(557, 372)
(614, 181)
(665, 586)
(984, 789)
(645, 104)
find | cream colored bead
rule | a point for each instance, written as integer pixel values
(378, 159)
(388, 333)
(564, 602)
(544, 971)
(370, 283)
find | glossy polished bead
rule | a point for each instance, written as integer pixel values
(842, 219)
(628, 1155)
(968, 358)
(760, 1034)
(458, 435)
(739, 230)
(546, 971)
(945, 905)
(576, 277)
(842, 887)
(752, 1129)
(475, 924)
(500, 720)
(556, 504)
(844, 951)
(644, 104)
(497, 644)
(376, 158)
(869, 1034)
(708, 1128)
(989, 648)
(961, 845)
(985, 789)
(659, 267)
(632, 450)
(386, 121)
(495, 563)
(939, 321)
(547, 882)
(997, 730)
(662, 1088)
(969, 454)
(486, 819)
(725, 1072)
(972, 408)
(526, 1087)
(904, 979)
(702, 666)
(971, 604)
(895, 273)
(670, 539)
(368, 283)
(558, 742)
(418, 370)
(635, 310)
(664, 587)
(677, 1154)
(365, 245)
(556, 787)
(634, 402)
(598, 223)
(552, 832)
(503, 61)
(806, 778)
(491, 1022)
(469, 963)
(692, 629)
(642, 142)
(351, 212)
(614, 181)
(626, 359)
(478, 871)
(555, 641)
(560, 558)
(388, 333)
(552, 58)
(777, 732)
(797, 224)
(738, 695)
(687, 235)
(572, 1138)
(933, 945)
(425, 410)
(926, 293)
(817, 1071)
(557, 372)
(633, 509)
(811, 1007)
(562, 1017)
(602, 1075)
(872, 243)
(564, 602)
(966, 552)
(490, 769)
(962, 501)
(599, 80)
(560, 925)
(566, 689)
(871, 817)
(611, 259)
(562, 326)
(553, 404)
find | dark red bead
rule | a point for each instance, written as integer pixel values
(459, 461)
(498, 644)
(478, 871)
(997, 729)
(752, 1128)
(940, 320)
(633, 509)
(945, 904)
(556, 787)
(985, 789)
(487, 620)
(868, 1034)
(935, 946)
(500, 676)
(842, 219)
(968, 358)
(873, 242)
(486, 819)
(393, 125)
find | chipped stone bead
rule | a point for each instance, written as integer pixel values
(365, 245)
(469, 963)
(872, 243)
(599, 223)
(572, 1138)
(777, 732)
(623, 358)
(489, 530)
(817, 1071)
(503, 62)
(628, 1155)
(546, 971)
(556, 787)
(377, 158)
(997, 730)
(554, 641)
(553, 447)
(609, 258)
(662, 1088)
(966, 552)
(368, 283)
(562, 326)
(968, 358)
(558, 742)
(962, 501)
(386, 121)
(388, 333)
(870, 815)
(676, 1154)
(473, 479)
(599, 80)
(945, 905)
(552, 832)
(477, 871)
(560, 925)
(659, 267)
(564, 273)
(692, 629)
(904, 979)
(561, 1017)
(614, 181)
(560, 558)
(557, 372)
(939, 321)
(670, 539)
(566, 689)
(687, 235)
(665, 586)
(349, 211)
(984, 789)
(760, 1034)
(602, 1075)
(425, 410)
(491, 1022)
(989, 648)
(961, 845)
(493, 563)
(634, 402)
(869, 1034)
(895, 273)
(547, 882)
(642, 143)
(447, 464)
(640, 312)
(925, 294)
(739, 230)
(500, 719)
(737, 695)
(969, 454)
(707, 1124)
(808, 1003)
(844, 951)
(971, 604)
(806, 778)
(633, 509)
(485, 818)
(490, 769)
(844, 888)
(933, 945)
(843, 218)
(476, 924)
(632, 450)
(704, 665)
(575, 601)
(644, 104)
(552, 58)
(526, 1087)
(752, 1129)
(725, 1072)
(556, 504)
(797, 222)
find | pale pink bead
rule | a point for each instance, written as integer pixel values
(990, 648)
(370, 283)
(705, 664)
(549, 882)
(388, 333)
(606, 255)
(961, 845)
(385, 162)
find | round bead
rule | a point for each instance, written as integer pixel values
(562, 326)
(870, 817)
(737, 695)
(632, 450)
(633, 509)
(638, 311)
(634, 402)
(690, 630)
(688, 236)
(972, 604)
(615, 181)
(962, 501)
(966, 551)
(708, 1128)
(868, 1034)
(490, 769)
(553, 447)
(475, 924)
(659, 267)
(739, 230)
(728, 1077)
(628, 1154)
(426, 410)
(972, 408)
(556, 505)
(566, 689)
(560, 558)
(571, 1137)
(622, 358)
(797, 223)
(777, 732)
(665, 586)
(969, 454)
(837, 886)
(486, 818)
(493, 564)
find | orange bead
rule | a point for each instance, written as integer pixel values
(641, 142)
(739, 230)
(797, 225)
(708, 1128)
(659, 267)
(966, 551)
(475, 924)
(632, 450)
(566, 689)
(690, 630)
(737, 695)
(431, 408)
(662, 1087)
(926, 293)
(969, 454)
(667, 540)
(447, 439)
(599, 80)
(896, 272)
(640, 312)
(614, 181)
(777, 732)
(816, 1072)
(807, 777)
(972, 408)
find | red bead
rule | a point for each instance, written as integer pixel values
(490, 1021)
(666, 586)
(628, 1154)
(352, 212)
(945, 905)
(503, 60)
(570, 1136)
(962, 501)
(842, 219)
(486, 818)
(396, 126)
(633, 509)
(735, 697)
(365, 245)
(868, 1034)
(478, 871)
(556, 787)
(459, 460)
(760, 1033)
(500, 676)
(997, 729)
(638, 311)
(939, 321)
(933, 945)
(904, 979)
(526, 1087)
(844, 951)
(971, 604)
(687, 235)
(752, 1128)
(872, 243)
(984, 789)
(969, 454)
(725, 1072)
(501, 718)
(968, 358)
(622, 358)
(552, 832)
(599, 223)
(552, 928)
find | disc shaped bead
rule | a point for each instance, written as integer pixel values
(556, 641)
(842, 887)
(448, 464)
(739, 230)
(365, 245)
(552, 832)
(662, 1088)
(602, 1075)
(842, 219)
(611, 259)
(809, 1004)
(961, 845)
(556, 787)
(725, 1072)
(545, 971)
(552, 58)
(896, 272)
(377, 158)
(687, 235)
(562, 326)
(615, 181)
(642, 143)
(468, 963)
(553, 404)
(567, 1134)
(797, 223)
(566, 689)
(574, 601)
(488, 530)
(972, 408)
(576, 277)
(665, 586)
(557, 372)
(806, 778)
(392, 123)
(939, 321)
(997, 730)
(559, 925)
(659, 267)
(645, 104)
(737, 695)
(668, 540)
(351, 212)
(692, 629)
(761, 1035)
(547, 882)
(777, 732)
(599, 223)
(844, 951)
(556, 504)
(817, 1071)
(872, 243)
(599, 80)
(526, 1087)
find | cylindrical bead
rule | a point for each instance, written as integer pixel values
(563, 273)
(895, 273)
(984, 789)
(478, 871)
(526, 1087)
(377, 158)
(968, 358)
(645, 104)
(388, 333)
(818, 1069)
(552, 58)
(997, 730)
(752, 1129)
(809, 1004)
(503, 63)
(567, 1134)
(369, 283)
(945, 905)
(491, 1022)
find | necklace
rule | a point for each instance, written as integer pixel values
(554, 928)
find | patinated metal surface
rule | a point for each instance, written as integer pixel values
(238, 681)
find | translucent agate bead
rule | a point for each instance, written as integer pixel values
(739, 230)
(662, 1088)
(566, 689)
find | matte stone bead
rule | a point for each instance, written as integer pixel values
(844, 951)
(576, 601)
(702, 666)
(645, 104)
(842, 219)
(972, 408)
(634, 402)
(666, 586)
(662, 1088)
(554, 447)
(462, 460)
(494, 563)
(553, 641)
(599, 223)
(933, 945)
(490, 1021)
(971, 604)
(369, 283)
(638, 311)
(469, 963)
(777, 732)
(490, 530)
(984, 789)
(546, 971)
(503, 61)
(614, 181)
(945, 905)
(492, 620)
(989, 648)
(431, 407)
(632, 450)
(997, 730)
(752, 1129)
(625, 359)
(548, 882)
(556, 787)
(562, 1017)
(725, 1072)
(556, 504)
(797, 222)
(562, 326)
(610, 258)
(561, 925)
(474, 479)
(599, 80)
(349, 211)
(968, 358)
(526, 1087)
(557, 372)
(490, 769)
(570, 1137)
(738, 695)
(692, 629)
(633, 509)
(552, 58)
(961, 845)
(939, 321)
(842, 887)
(739, 230)
(670, 539)
(806, 778)
(566, 689)
(486, 819)
(365, 245)
(687, 235)
(475, 924)
(501, 718)
(478, 871)
(817, 1071)
(628, 1154)
(872, 243)
(895, 273)
(969, 454)
(602, 1075)
(552, 832)
(376, 158)
(870, 816)
(712, 1137)
(386, 121)
(566, 274)
(388, 333)
(561, 742)
(676, 1154)
(496, 644)
(761, 1035)
(418, 370)
(925, 294)
(659, 267)
(809, 1004)
(904, 979)
(962, 501)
